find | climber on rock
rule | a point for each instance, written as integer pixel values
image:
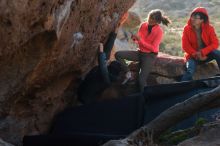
(100, 77)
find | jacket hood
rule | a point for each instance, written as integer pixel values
(201, 10)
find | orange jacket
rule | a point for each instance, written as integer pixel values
(189, 38)
(149, 42)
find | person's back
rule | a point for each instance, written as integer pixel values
(93, 85)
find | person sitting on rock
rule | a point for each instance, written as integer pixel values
(148, 40)
(199, 42)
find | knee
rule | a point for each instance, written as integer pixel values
(215, 53)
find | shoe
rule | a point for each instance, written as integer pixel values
(127, 77)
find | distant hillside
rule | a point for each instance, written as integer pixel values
(175, 8)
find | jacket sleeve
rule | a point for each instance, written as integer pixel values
(156, 42)
(214, 42)
(139, 33)
(109, 44)
(186, 46)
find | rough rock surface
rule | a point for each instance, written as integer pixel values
(209, 136)
(173, 67)
(124, 41)
(3, 143)
(45, 48)
(167, 69)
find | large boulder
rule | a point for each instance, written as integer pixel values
(45, 48)
(209, 136)
(124, 40)
(3, 143)
(173, 67)
(167, 69)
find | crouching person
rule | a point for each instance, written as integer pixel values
(199, 42)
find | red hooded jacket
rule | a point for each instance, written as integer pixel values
(189, 38)
(149, 42)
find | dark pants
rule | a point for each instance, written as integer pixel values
(192, 63)
(146, 61)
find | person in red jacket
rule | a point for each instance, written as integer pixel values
(148, 40)
(199, 42)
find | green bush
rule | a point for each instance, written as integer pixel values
(200, 122)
